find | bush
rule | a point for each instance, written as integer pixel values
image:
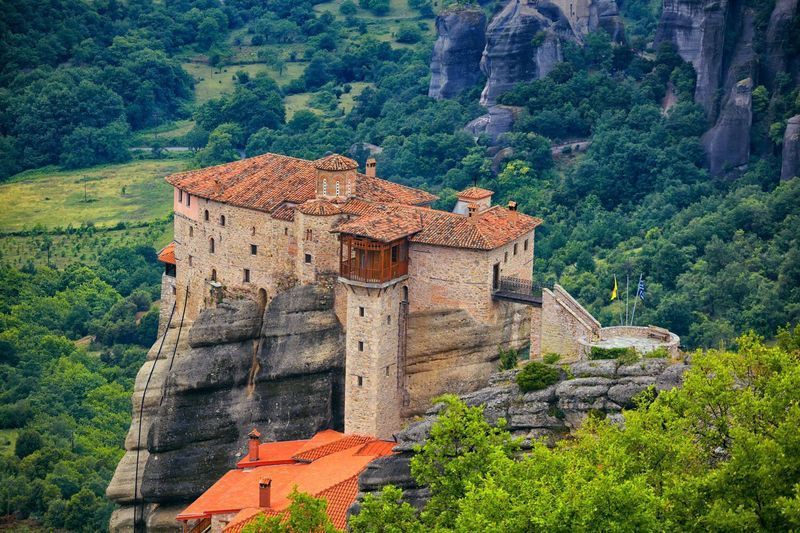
(659, 353)
(537, 376)
(348, 8)
(551, 358)
(508, 358)
(613, 353)
(408, 34)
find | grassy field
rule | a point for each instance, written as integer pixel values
(83, 248)
(8, 438)
(347, 101)
(51, 198)
(212, 82)
(170, 133)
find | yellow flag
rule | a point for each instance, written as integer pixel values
(614, 290)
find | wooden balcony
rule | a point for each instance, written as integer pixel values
(373, 262)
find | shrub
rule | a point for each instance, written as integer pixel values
(659, 353)
(408, 34)
(551, 358)
(537, 376)
(508, 358)
(613, 353)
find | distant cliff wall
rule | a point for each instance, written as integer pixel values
(455, 64)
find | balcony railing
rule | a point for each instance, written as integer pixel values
(352, 270)
(521, 286)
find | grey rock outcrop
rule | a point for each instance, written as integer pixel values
(231, 371)
(455, 64)
(521, 45)
(790, 164)
(778, 37)
(551, 413)
(499, 120)
(697, 29)
(727, 144)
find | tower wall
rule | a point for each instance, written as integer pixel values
(372, 396)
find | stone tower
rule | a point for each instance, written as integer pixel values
(374, 370)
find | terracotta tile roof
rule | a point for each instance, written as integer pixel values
(319, 208)
(486, 230)
(345, 443)
(272, 453)
(474, 193)
(267, 181)
(331, 463)
(284, 212)
(335, 162)
(167, 254)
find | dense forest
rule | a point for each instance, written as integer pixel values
(81, 81)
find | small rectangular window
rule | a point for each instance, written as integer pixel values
(308, 259)
(286, 231)
(360, 346)
(188, 199)
(505, 257)
(515, 248)
(361, 311)
(359, 381)
(247, 275)
(190, 260)
(386, 370)
(389, 319)
(253, 249)
(525, 245)
(180, 196)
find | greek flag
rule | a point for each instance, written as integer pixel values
(640, 290)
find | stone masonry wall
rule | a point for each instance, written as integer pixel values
(320, 244)
(456, 278)
(372, 405)
(167, 301)
(563, 323)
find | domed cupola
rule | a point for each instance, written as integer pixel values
(336, 176)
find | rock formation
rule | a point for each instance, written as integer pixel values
(457, 51)
(779, 34)
(520, 46)
(790, 165)
(230, 371)
(697, 29)
(727, 144)
(499, 120)
(551, 413)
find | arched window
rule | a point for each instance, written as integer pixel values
(213, 274)
(205, 215)
(222, 220)
(324, 187)
(337, 187)
(405, 293)
(349, 188)
(191, 231)
(253, 230)
(211, 245)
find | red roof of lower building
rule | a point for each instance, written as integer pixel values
(167, 254)
(325, 466)
(474, 193)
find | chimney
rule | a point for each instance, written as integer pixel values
(253, 444)
(471, 208)
(264, 489)
(512, 205)
(371, 167)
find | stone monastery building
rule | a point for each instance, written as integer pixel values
(417, 290)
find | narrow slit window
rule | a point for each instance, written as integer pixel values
(515, 248)
(308, 259)
(359, 381)
(246, 275)
(222, 220)
(361, 311)
(360, 346)
(253, 249)
(525, 245)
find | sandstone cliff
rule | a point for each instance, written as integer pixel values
(790, 165)
(727, 144)
(455, 64)
(603, 386)
(779, 34)
(231, 371)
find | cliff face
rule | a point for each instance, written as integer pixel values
(512, 55)
(779, 33)
(790, 164)
(727, 144)
(230, 372)
(457, 52)
(550, 413)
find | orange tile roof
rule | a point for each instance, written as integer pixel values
(474, 193)
(335, 162)
(284, 212)
(167, 254)
(265, 182)
(486, 230)
(327, 465)
(319, 208)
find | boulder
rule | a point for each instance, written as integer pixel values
(790, 164)
(499, 120)
(457, 52)
(727, 144)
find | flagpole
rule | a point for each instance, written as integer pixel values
(627, 279)
(636, 299)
